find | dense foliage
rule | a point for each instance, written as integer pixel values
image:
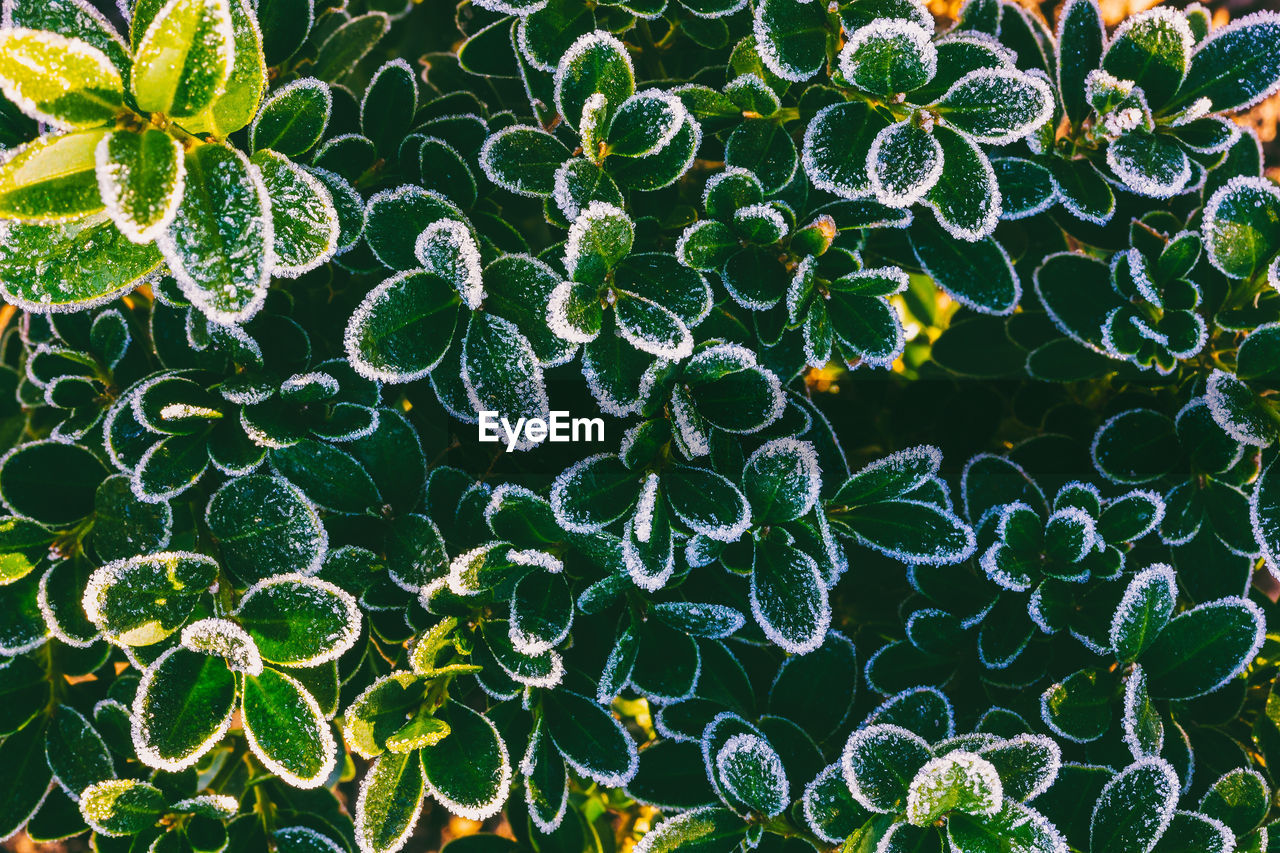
(262, 586)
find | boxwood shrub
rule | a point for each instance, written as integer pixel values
(926, 499)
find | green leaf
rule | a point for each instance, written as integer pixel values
(706, 502)
(74, 19)
(264, 526)
(183, 707)
(1203, 648)
(1135, 808)
(219, 245)
(1013, 827)
(978, 275)
(593, 492)
(879, 763)
(750, 772)
(469, 771)
(1143, 612)
(1242, 226)
(237, 106)
(1153, 49)
(52, 179)
(403, 327)
(50, 482)
(76, 753)
(1078, 707)
(591, 740)
(644, 124)
(389, 103)
(390, 801)
(299, 621)
(184, 59)
(1191, 832)
(523, 160)
(23, 543)
(65, 82)
(908, 530)
(965, 200)
(596, 64)
(382, 708)
(781, 480)
(836, 143)
(889, 56)
(710, 829)
(599, 238)
(293, 119)
(348, 44)
(118, 807)
(1150, 164)
(1028, 765)
(71, 267)
(905, 162)
(142, 600)
(996, 105)
(1239, 798)
(791, 38)
(1236, 66)
(890, 477)
(1080, 38)
(141, 177)
(305, 227)
(956, 782)
(285, 729)
(1076, 292)
(789, 596)
(1136, 446)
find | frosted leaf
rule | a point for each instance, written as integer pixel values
(593, 125)
(789, 468)
(785, 39)
(1240, 228)
(141, 190)
(477, 811)
(652, 328)
(225, 639)
(1150, 164)
(602, 230)
(64, 82)
(596, 63)
(958, 781)
(373, 347)
(1142, 728)
(751, 772)
(584, 474)
(643, 574)
(321, 619)
(121, 807)
(1226, 397)
(1152, 48)
(216, 806)
(904, 163)
(645, 123)
(545, 669)
(889, 55)
(706, 826)
(997, 105)
(1236, 64)
(642, 522)
(1028, 764)
(304, 219)
(1145, 608)
(324, 384)
(291, 719)
(142, 600)
(827, 155)
(304, 839)
(1135, 807)
(789, 597)
(824, 812)
(536, 558)
(389, 803)
(149, 717)
(966, 199)
(501, 372)
(879, 763)
(447, 249)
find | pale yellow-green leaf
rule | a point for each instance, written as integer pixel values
(185, 58)
(63, 81)
(51, 179)
(248, 81)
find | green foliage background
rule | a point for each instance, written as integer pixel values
(937, 508)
